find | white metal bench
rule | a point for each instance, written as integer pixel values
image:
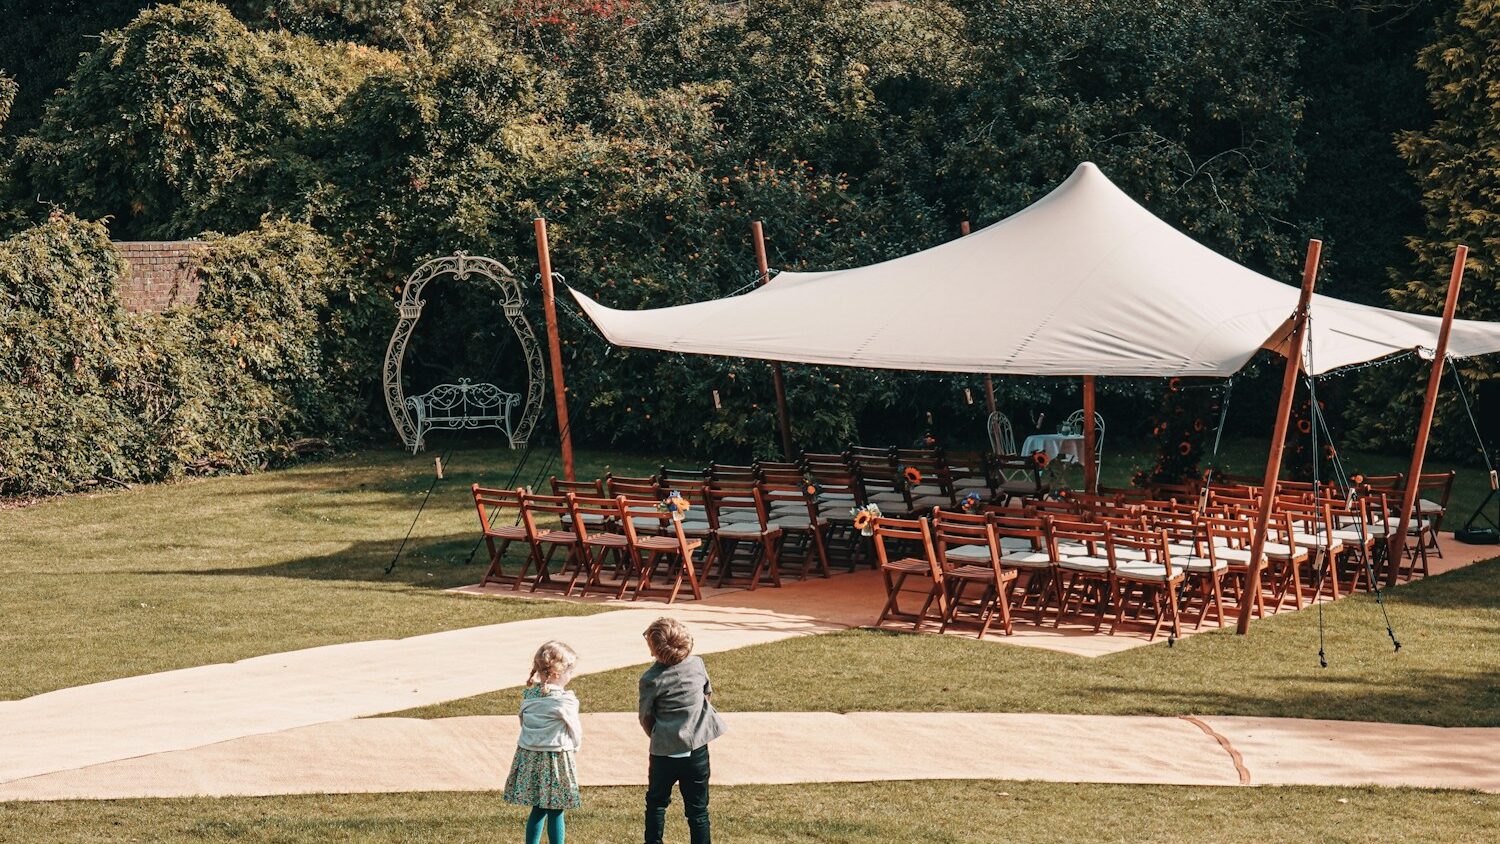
(462, 406)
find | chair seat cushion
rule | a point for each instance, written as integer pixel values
(1090, 565)
(798, 522)
(1198, 565)
(1427, 507)
(975, 484)
(1018, 543)
(969, 554)
(1019, 487)
(1149, 572)
(1353, 535)
(1026, 559)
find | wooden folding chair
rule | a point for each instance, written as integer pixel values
(1312, 529)
(970, 552)
(1143, 573)
(491, 504)
(742, 535)
(546, 542)
(1188, 543)
(598, 544)
(671, 478)
(926, 569)
(970, 472)
(1083, 565)
(1024, 548)
(1350, 520)
(1018, 476)
(587, 489)
(665, 544)
(793, 507)
(1229, 539)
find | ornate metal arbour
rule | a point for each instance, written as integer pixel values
(409, 310)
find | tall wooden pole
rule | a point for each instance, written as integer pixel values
(1424, 426)
(1250, 598)
(989, 382)
(554, 345)
(1090, 438)
(783, 417)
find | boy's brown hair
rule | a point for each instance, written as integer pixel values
(669, 641)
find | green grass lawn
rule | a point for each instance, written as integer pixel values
(839, 813)
(94, 587)
(1445, 674)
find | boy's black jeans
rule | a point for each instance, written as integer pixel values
(690, 774)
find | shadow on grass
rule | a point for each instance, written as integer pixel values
(441, 562)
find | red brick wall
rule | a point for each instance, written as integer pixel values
(159, 274)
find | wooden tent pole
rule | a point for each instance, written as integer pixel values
(554, 345)
(783, 416)
(1424, 426)
(1090, 438)
(1250, 598)
(989, 382)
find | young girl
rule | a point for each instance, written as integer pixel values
(543, 775)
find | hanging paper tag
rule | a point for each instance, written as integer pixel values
(929, 417)
(437, 463)
(717, 405)
(968, 396)
(1494, 480)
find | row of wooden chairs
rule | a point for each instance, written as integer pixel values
(645, 548)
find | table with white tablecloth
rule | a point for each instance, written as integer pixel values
(1067, 446)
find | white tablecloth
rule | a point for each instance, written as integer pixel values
(1067, 446)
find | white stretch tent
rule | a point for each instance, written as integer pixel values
(1083, 282)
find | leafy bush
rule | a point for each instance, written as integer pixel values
(91, 393)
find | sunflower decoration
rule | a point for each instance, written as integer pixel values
(1357, 479)
(674, 504)
(969, 503)
(1304, 426)
(912, 474)
(1040, 459)
(1174, 384)
(812, 487)
(1198, 425)
(864, 518)
(1184, 448)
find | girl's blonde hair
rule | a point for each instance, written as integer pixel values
(552, 661)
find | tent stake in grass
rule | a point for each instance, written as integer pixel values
(1278, 435)
(1424, 426)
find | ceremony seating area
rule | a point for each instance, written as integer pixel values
(977, 541)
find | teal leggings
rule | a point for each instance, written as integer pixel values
(553, 818)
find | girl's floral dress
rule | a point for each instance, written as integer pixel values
(545, 778)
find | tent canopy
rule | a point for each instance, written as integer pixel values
(1083, 282)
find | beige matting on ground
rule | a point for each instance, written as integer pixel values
(473, 754)
(177, 710)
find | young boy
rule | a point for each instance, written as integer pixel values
(675, 711)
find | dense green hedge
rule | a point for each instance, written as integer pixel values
(91, 394)
(650, 133)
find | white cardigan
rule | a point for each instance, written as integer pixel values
(551, 722)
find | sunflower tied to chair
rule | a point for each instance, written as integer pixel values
(912, 474)
(1040, 459)
(811, 487)
(674, 504)
(864, 518)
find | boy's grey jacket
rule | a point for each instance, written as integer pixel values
(674, 707)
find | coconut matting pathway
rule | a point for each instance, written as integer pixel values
(193, 707)
(473, 754)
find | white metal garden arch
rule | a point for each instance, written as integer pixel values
(409, 309)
